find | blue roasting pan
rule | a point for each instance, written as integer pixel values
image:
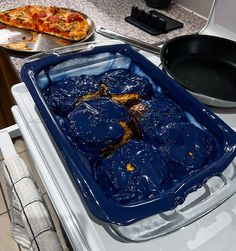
(45, 69)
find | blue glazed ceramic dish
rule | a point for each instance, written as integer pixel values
(111, 203)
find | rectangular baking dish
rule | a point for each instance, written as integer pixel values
(87, 58)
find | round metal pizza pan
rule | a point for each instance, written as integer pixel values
(16, 39)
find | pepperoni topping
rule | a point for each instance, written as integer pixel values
(42, 14)
(35, 16)
(53, 19)
(74, 17)
(39, 16)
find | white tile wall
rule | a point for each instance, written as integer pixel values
(201, 7)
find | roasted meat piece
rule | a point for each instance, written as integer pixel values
(151, 115)
(64, 95)
(120, 85)
(132, 173)
(185, 148)
(126, 88)
(98, 125)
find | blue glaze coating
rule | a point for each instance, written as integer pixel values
(62, 96)
(159, 113)
(122, 81)
(95, 123)
(185, 148)
(146, 179)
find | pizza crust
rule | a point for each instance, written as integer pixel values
(60, 22)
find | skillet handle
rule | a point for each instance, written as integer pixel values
(129, 40)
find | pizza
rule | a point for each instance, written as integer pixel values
(60, 22)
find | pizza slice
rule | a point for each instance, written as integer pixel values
(60, 22)
(19, 17)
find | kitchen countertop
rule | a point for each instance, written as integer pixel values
(110, 14)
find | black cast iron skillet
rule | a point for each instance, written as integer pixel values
(204, 65)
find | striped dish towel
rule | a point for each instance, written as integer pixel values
(31, 224)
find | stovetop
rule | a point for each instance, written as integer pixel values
(213, 231)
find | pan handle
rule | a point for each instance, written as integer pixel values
(129, 40)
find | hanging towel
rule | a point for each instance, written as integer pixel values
(31, 224)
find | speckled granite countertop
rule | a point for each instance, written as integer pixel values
(110, 14)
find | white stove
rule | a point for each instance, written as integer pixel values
(85, 232)
(215, 230)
